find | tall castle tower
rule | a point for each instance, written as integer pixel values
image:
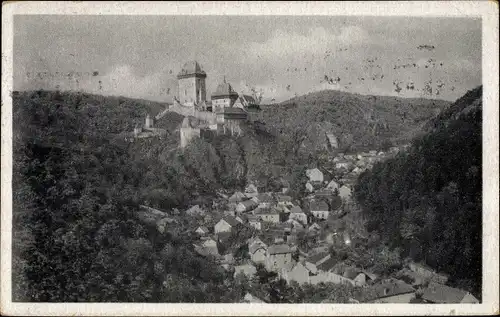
(191, 79)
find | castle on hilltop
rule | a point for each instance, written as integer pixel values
(223, 114)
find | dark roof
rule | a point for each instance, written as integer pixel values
(248, 98)
(231, 220)
(387, 289)
(296, 209)
(317, 257)
(279, 249)
(255, 246)
(283, 198)
(351, 273)
(191, 68)
(438, 293)
(233, 110)
(265, 197)
(224, 89)
(319, 206)
(327, 265)
(249, 203)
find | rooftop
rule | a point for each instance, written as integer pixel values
(231, 221)
(224, 90)
(319, 206)
(438, 293)
(327, 265)
(390, 288)
(191, 68)
(317, 257)
(279, 249)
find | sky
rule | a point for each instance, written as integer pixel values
(279, 56)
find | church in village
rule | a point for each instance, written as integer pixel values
(222, 114)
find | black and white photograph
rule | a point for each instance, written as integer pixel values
(261, 158)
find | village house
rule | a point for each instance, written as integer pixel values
(254, 222)
(344, 165)
(427, 272)
(257, 251)
(294, 224)
(332, 186)
(251, 191)
(264, 200)
(284, 201)
(314, 260)
(299, 273)
(442, 294)
(389, 291)
(268, 215)
(237, 197)
(246, 206)
(249, 298)
(201, 230)
(195, 211)
(207, 246)
(230, 212)
(297, 214)
(249, 270)
(278, 256)
(226, 224)
(315, 176)
(319, 209)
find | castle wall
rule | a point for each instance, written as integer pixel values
(209, 117)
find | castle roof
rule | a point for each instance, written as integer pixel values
(191, 68)
(224, 89)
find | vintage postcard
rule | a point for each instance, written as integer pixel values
(249, 158)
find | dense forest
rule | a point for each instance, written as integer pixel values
(428, 201)
(360, 122)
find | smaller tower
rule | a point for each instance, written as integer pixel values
(149, 122)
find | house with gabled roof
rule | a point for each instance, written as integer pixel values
(264, 200)
(315, 176)
(299, 273)
(296, 213)
(268, 215)
(250, 298)
(389, 291)
(319, 209)
(314, 260)
(237, 197)
(251, 191)
(246, 206)
(257, 250)
(226, 224)
(284, 200)
(201, 230)
(195, 210)
(442, 294)
(248, 269)
(278, 256)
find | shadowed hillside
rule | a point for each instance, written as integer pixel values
(358, 121)
(428, 201)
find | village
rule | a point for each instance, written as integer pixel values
(253, 229)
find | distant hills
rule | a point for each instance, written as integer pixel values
(359, 121)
